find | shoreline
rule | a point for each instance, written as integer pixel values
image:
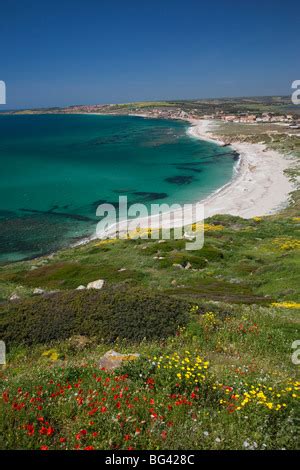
(259, 186)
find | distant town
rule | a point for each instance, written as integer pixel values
(254, 110)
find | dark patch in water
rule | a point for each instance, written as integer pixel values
(99, 203)
(187, 164)
(150, 196)
(180, 180)
(53, 208)
(183, 167)
(5, 213)
(60, 214)
(123, 191)
(27, 235)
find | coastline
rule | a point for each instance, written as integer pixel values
(259, 186)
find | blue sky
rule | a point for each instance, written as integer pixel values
(56, 53)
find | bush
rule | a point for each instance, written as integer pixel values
(107, 315)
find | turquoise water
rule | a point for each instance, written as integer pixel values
(56, 169)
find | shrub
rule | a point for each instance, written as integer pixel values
(129, 313)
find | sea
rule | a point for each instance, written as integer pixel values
(56, 169)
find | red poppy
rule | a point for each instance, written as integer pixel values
(30, 429)
(44, 448)
(50, 431)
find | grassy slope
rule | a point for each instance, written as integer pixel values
(241, 263)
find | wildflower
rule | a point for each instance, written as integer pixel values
(286, 305)
(30, 429)
(44, 448)
(50, 431)
(164, 435)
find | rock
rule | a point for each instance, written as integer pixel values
(112, 359)
(121, 270)
(174, 282)
(81, 287)
(161, 241)
(176, 265)
(38, 291)
(188, 265)
(14, 297)
(96, 284)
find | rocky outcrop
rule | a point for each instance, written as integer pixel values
(96, 284)
(112, 359)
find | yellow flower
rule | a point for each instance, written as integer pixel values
(286, 305)
(287, 243)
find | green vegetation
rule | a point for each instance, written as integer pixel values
(131, 314)
(214, 329)
(240, 263)
(225, 381)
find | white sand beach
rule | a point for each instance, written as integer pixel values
(260, 186)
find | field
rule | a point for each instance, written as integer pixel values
(241, 301)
